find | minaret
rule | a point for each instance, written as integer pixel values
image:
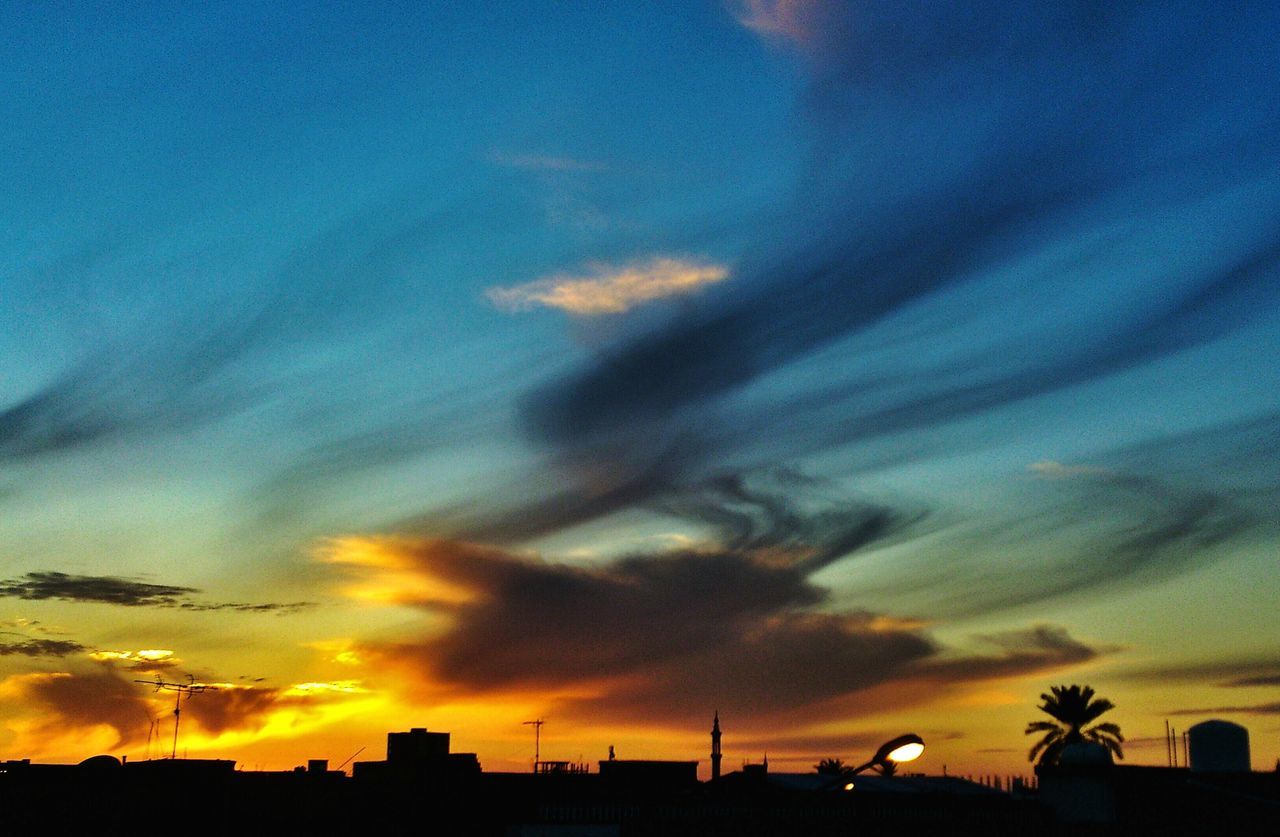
(715, 747)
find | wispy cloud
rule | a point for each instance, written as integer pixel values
(145, 660)
(1240, 673)
(607, 289)
(1252, 709)
(795, 20)
(126, 592)
(35, 586)
(549, 163)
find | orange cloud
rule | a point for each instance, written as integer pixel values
(610, 290)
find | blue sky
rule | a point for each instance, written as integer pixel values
(965, 316)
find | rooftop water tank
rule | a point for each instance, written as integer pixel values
(1219, 746)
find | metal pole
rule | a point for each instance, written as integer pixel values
(177, 717)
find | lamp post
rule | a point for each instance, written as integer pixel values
(903, 748)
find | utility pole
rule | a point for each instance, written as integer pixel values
(537, 741)
(180, 690)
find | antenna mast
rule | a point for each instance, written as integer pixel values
(180, 690)
(537, 741)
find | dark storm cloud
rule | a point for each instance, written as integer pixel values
(664, 635)
(79, 700)
(41, 648)
(126, 592)
(676, 624)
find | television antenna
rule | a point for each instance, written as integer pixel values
(349, 758)
(537, 741)
(180, 690)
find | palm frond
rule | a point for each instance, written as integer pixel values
(1051, 738)
(1108, 729)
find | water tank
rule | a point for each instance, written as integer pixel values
(1219, 746)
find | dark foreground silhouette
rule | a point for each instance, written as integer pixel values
(422, 788)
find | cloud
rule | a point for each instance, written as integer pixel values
(233, 707)
(144, 660)
(82, 700)
(798, 21)
(1254, 709)
(609, 289)
(548, 163)
(1041, 648)
(1232, 673)
(224, 707)
(734, 622)
(1098, 531)
(41, 648)
(1056, 470)
(36, 586)
(114, 590)
(653, 634)
(221, 347)
(1255, 680)
(929, 276)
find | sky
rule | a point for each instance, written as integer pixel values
(845, 368)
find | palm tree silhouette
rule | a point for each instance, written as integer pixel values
(1073, 707)
(832, 766)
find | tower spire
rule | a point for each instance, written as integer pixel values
(715, 747)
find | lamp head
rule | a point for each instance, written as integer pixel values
(903, 748)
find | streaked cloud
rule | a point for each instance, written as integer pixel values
(1251, 709)
(144, 660)
(126, 592)
(40, 648)
(1053, 469)
(332, 687)
(607, 289)
(1236, 673)
(35, 586)
(549, 163)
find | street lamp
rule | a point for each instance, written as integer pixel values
(903, 748)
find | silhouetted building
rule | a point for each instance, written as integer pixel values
(1218, 747)
(419, 755)
(1094, 796)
